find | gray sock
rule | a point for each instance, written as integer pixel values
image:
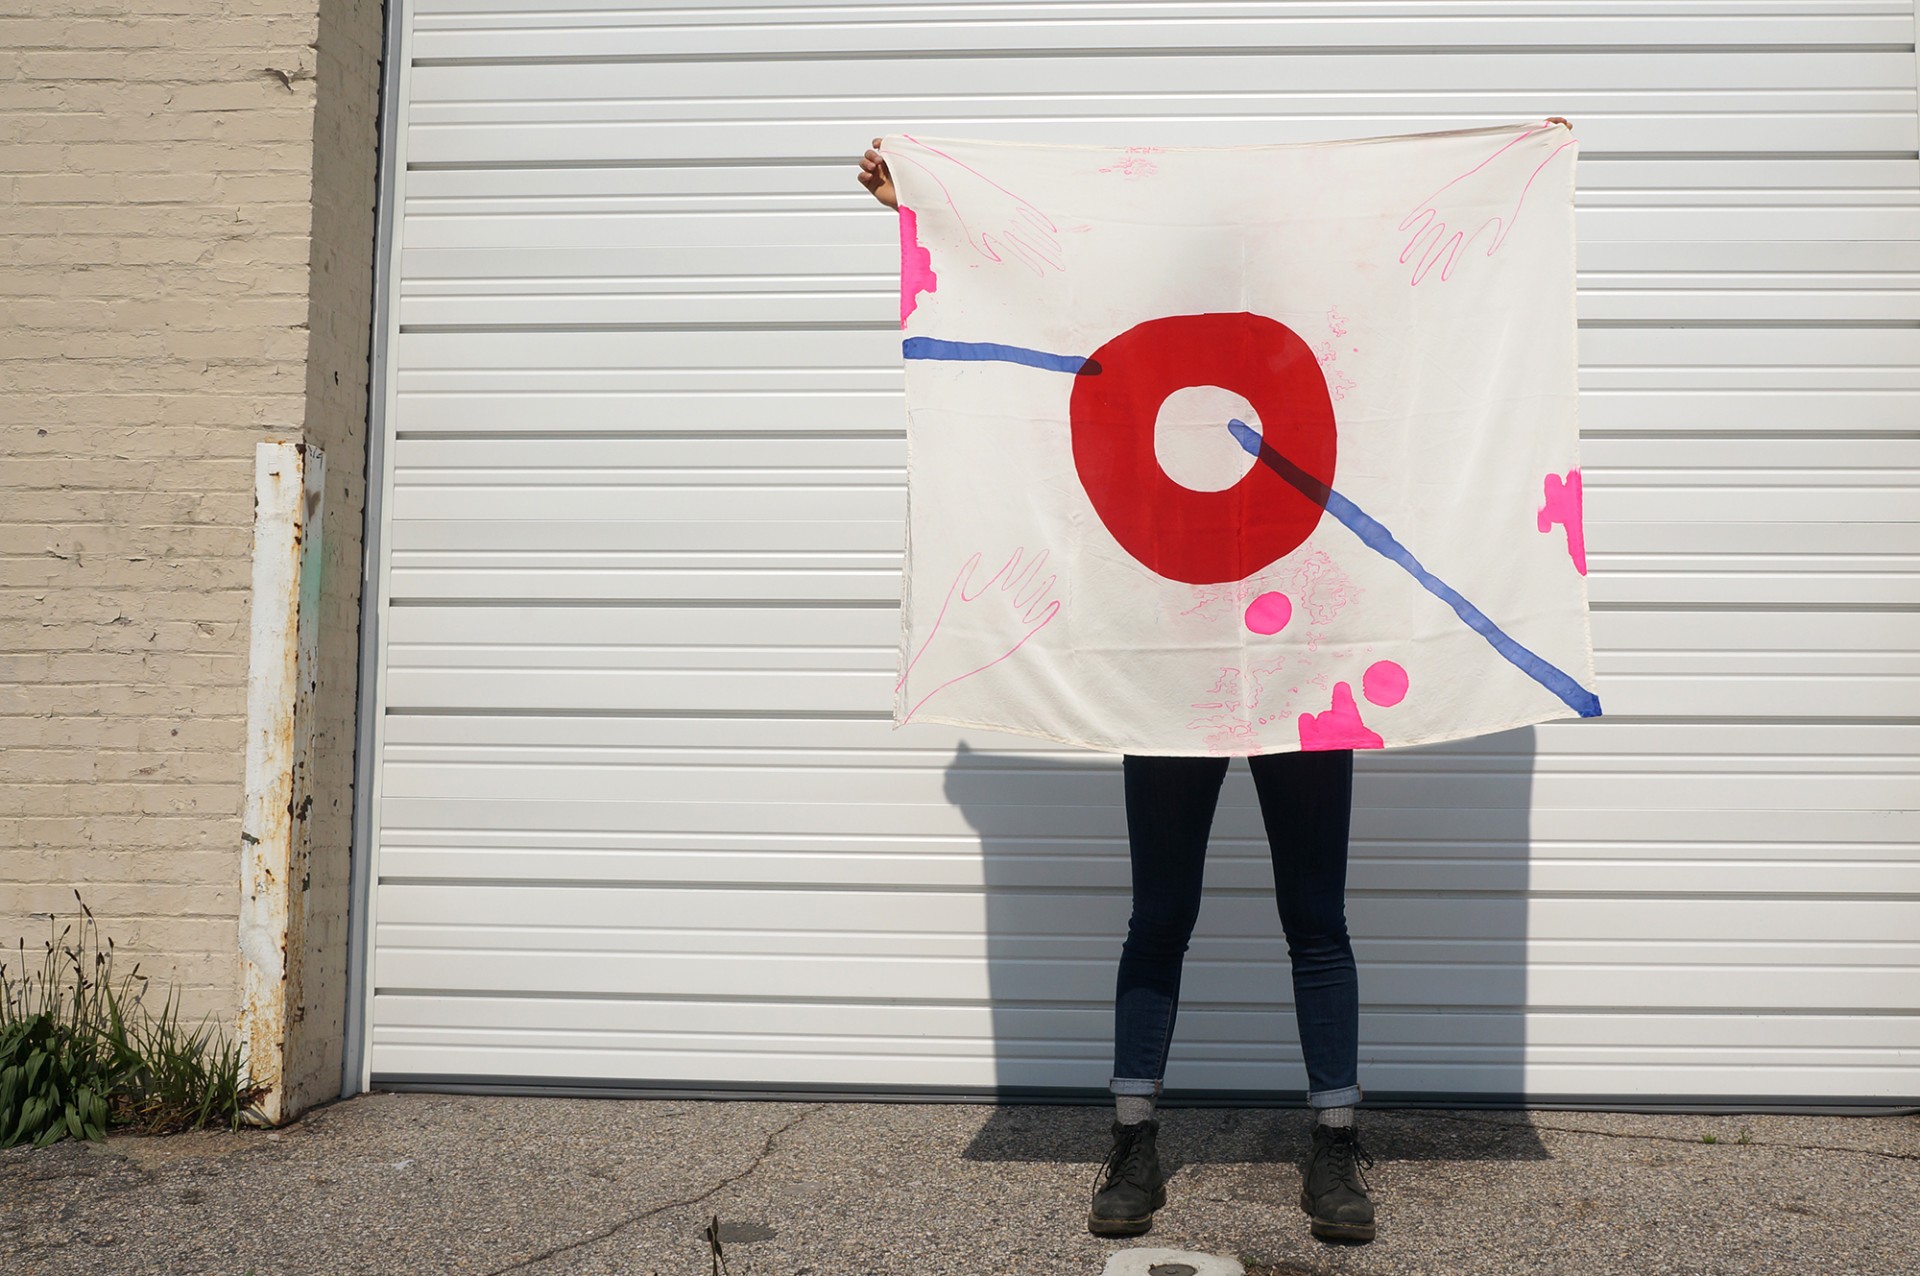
(1338, 1118)
(1132, 1109)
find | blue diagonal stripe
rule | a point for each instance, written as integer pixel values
(1376, 537)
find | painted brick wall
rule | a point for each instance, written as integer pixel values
(186, 189)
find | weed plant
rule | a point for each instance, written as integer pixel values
(82, 1051)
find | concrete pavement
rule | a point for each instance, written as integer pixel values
(401, 1184)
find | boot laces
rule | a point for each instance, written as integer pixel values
(1344, 1149)
(1126, 1161)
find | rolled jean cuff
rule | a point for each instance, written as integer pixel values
(1139, 1087)
(1345, 1097)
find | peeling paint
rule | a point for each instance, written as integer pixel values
(281, 660)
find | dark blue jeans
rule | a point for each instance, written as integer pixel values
(1306, 802)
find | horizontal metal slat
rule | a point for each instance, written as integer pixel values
(611, 31)
(504, 234)
(1816, 874)
(981, 816)
(517, 92)
(865, 246)
(545, 461)
(1677, 986)
(1886, 127)
(1841, 407)
(475, 354)
(428, 543)
(528, 782)
(1604, 742)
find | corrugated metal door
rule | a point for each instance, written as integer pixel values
(640, 816)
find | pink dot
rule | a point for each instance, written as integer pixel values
(1269, 613)
(1384, 683)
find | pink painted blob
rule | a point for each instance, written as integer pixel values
(1269, 613)
(1384, 683)
(1339, 727)
(1564, 505)
(916, 265)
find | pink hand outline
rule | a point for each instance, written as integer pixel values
(1026, 606)
(1429, 224)
(992, 217)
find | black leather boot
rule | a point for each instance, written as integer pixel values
(1332, 1191)
(1131, 1187)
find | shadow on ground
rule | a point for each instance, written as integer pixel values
(1230, 1136)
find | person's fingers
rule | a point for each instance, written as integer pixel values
(874, 176)
(1555, 119)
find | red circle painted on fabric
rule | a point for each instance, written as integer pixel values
(1205, 538)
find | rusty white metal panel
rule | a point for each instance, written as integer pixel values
(639, 815)
(282, 651)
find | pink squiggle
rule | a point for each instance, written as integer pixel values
(1325, 589)
(1208, 600)
(1566, 505)
(1239, 690)
(1339, 727)
(1134, 165)
(1425, 223)
(916, 265)
(1027, 592)
(1028, 234)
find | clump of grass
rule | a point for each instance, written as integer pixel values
(81, 1051)
(185, 1078)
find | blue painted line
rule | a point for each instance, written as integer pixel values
(1376, 537)
(993, 352)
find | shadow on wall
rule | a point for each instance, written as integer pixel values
(1436, 904)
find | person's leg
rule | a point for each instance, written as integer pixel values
(1170, 804)
(1306, 802)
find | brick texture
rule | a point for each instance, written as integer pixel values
(188, 191)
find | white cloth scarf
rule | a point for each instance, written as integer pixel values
(1242, 450)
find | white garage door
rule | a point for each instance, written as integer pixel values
(639, 817)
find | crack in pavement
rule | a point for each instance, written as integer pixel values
(620, 1226)
(1669, 1138)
